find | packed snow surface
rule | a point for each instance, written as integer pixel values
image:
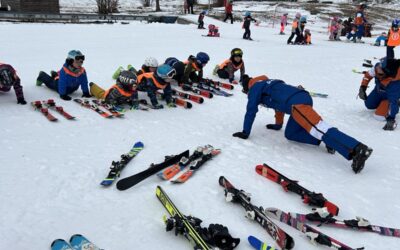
(51, 171)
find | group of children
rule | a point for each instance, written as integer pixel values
(303, 35)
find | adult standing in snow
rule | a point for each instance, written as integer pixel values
(295, 26)
(386, 93)
(227, 69)
(190, 4)
(360, 21)
(228, 11)
(8, 79)
(283, 23)
(305, 125)
(71, 76)
(393, 38)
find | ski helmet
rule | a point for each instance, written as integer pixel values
(247, 13)
(171, 61)
(236, 52)
(202, 58)
(211, 27)
(390, 66)
(6, 78)
(298, 15)
(127, 78)
(164, 71)
(396, 23)
(151, 62)
(75, 55)
(303, 19)
(307, 31)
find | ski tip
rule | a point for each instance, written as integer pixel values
(254, 242)
(138, 144)
(60, 244)
(259, 168)
(74, 236)
(221, 180)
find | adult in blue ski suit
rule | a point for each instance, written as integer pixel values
(304, 124)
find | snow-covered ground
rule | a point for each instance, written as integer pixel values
(51, 171)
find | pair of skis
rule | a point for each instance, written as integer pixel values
(86, 103)
(200, 156)
(202, 92)
(176, 100)
(263, 217)
(76, 242)
(43, 107)
(118, 166)
(194, 98)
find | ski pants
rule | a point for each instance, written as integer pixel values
(305, 125)
(360, 31)
(282, 27)
(297, 33)
(201, 25)
(378, 101)
(97, 91)
(247, 33)
(228, 15)
(51, 83)
(390, 52)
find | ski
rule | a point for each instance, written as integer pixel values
(358, 71)
(202, 92)
(284, 240)
(60, 244)
(310, 198)
(312, 234)
(258, 244)
(45, 111)
(213, 83)
(131, 181)
(315, 94)
(208, 153)
(188, 230)
(322, 217)
(80, 242)
(173, 170)
(94, 107)
(117, 166)
(214, 90)
(110, 108)
(182, 103)
(190, 97)
(51, 104)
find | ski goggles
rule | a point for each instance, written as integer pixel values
(170, 74)
(80, 58)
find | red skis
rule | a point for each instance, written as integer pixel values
(51, 104)
(38, 106)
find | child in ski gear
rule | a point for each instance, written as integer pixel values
(201, 20)
(150, 65)
(213, 30)
(295, 30)
(246, 25)
(386, 93)
(227, 69)
(178, 66)
(161, 79)
(334, 29)
(192, 65)
(283, 23)
(352, 35)
(71, 76)
(307, 37)
(347, 26)
(305, 125)
(300, 30)
(228, 11)
(8, 79)
(393, 38)
(380, 39)
(121, 93)
(360, 21)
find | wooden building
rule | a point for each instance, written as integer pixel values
(33, 6)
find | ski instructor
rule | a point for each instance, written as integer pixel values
(305, 125)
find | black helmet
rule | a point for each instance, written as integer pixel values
(127, 78)
(236, 52)
(390, 66)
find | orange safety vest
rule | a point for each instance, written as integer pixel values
(257, 79)
(226, 62)
(150, 75)
(78, 74)
(115, 86)
(308, 39)
(295, 24)
(194, 65)
(394, 38)
(388, 80)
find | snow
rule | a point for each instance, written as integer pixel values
(58, 166)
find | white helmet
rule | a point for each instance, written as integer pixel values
(151, 62)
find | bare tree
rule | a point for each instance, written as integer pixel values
(107, 6)
(158, 5)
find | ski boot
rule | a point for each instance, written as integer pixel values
(360, 154)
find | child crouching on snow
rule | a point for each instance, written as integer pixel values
(307, 37)
(213, 30)
(379, 39)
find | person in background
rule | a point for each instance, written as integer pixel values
(8, 79)
(246, 25)
(295, 25)
(201, 19)
(382, 38)
(228, 11)
(283, 23)
(393, 38)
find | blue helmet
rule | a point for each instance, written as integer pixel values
(396, 23)
(165, 71)
(247, 13)
(171, 61)
(303, 19)
(202, 58)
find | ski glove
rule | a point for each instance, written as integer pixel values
(65, 97)
(21, 101)
(274, 126)
(390, 124)
(87, 95)
(362, 93)
(171, 105)
(218, 235)
(241, 135)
